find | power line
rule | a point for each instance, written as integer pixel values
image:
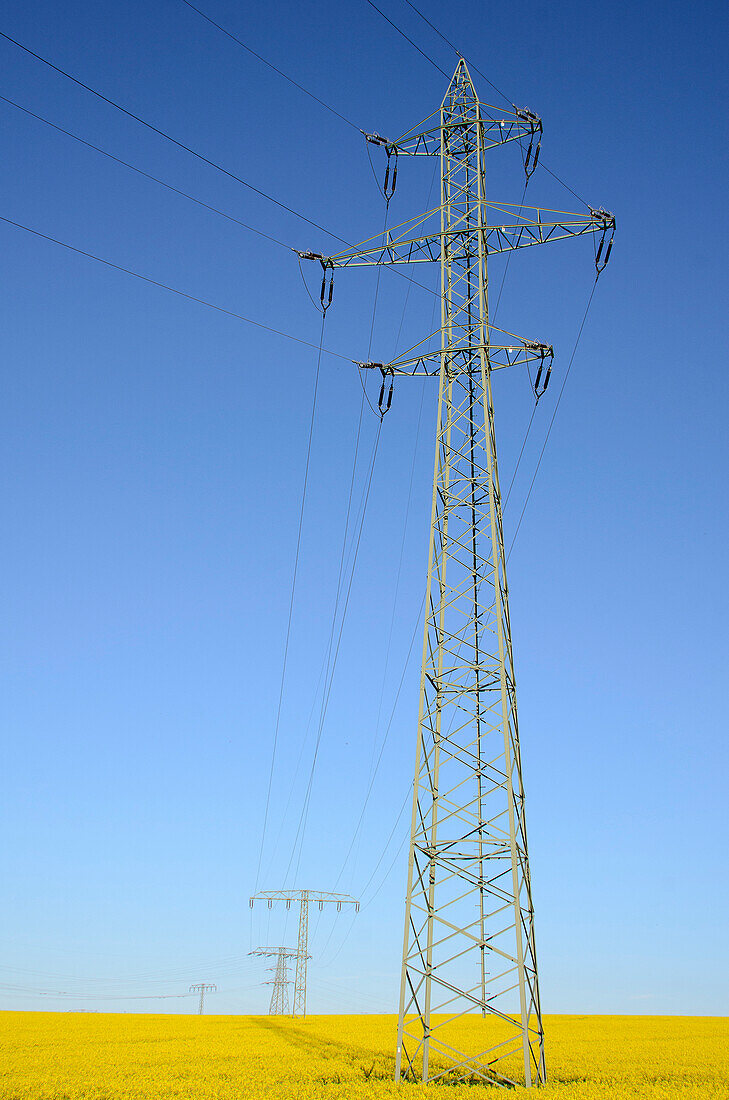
(371, 783)
(270, 65)
(228, 964)
(327, 657)
(146, 976)
(171, 289)
(184, 194)
(508, 258)
(301, 829)
(384, 739)
(192, 152)
(168, 137)
(323, 674)
(398, 574)
(362, 892)
(560, 180)
(407, 39)
(407, 659)
(141, 172)
(291, 600)
(330, 675)
(407, 798)
(27, 991)
(320, 349)
(556, 407)
(369, 901)
(375, 764)
(456, 50)
(521, 453)
(438, 32)
(332, 988)
(328, 687)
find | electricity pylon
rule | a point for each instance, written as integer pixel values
(303, 897)
(469, 931)
(280, 994)
(202, 988)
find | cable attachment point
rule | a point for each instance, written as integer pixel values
(535, 139)
(375, 139)
(327, 281)
(606, 221)
(544, 371)
(327, 285)
(382, 405)
(388, 188)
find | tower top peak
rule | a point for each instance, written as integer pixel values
(461, 87)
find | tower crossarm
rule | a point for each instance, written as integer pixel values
(425, 140)
(506, 350)
(275, 952)
(512, 227)
(290, 896)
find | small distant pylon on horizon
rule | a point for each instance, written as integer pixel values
(202, 988)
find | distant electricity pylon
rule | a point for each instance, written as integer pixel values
(202, 988)
(303, 897)
(469, 931)
(280, 994)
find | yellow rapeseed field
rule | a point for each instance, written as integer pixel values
(67, 1056)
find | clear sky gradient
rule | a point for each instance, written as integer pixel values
(152, 465)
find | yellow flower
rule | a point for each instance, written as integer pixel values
(68, 1056)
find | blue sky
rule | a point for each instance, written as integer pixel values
(152, 466)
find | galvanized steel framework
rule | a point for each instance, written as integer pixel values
(469, 928)
(302, 956)
(279, 1005)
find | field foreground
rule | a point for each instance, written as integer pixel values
(67, 1056)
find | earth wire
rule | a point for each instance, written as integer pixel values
(141, 172)
(168, 137)
(270, 65)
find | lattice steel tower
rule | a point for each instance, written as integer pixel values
(279, 1005)
(304, 898)
(202, 988)
(469, 930)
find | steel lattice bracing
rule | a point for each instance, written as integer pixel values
(280, 995)
(469, 930)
